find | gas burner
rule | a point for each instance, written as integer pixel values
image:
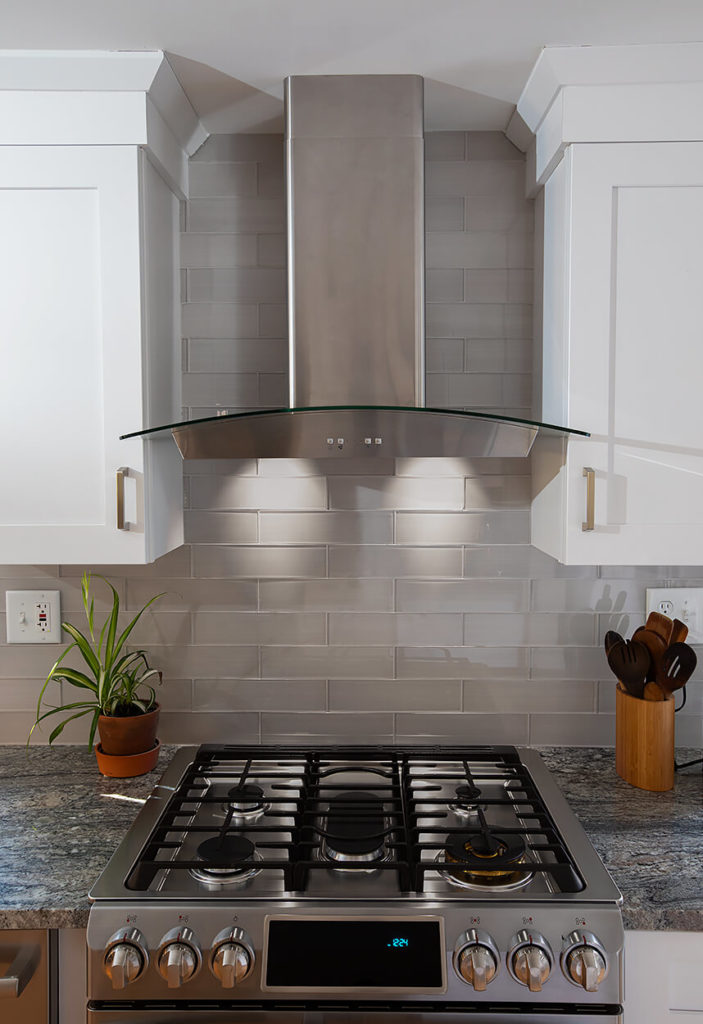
(355, 828)
(485, 860)
(466, 803)
(227, 848)
(246, 801)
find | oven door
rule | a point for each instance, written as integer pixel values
(193, 1014)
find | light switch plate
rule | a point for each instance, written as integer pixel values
(33, 616)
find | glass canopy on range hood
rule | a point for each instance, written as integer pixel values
(318, 432)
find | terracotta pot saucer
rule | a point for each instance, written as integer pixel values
(127, 766)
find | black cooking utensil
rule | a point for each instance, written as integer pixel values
(630, 661)
(611, 640)
(679, 665)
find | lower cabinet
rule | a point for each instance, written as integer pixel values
(72, 976)
(663, 977)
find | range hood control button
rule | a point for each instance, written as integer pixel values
(530, 959)
(179, 957)
(232, 957)
(125, 957)
(583, 960)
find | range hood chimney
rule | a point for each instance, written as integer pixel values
(356, 240)
(355, 212)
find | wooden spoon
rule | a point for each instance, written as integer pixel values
(652, 691)
(660, 624)
(679, 632)
(679, 665)
(656, 647)
(611, 640)
(630, 661)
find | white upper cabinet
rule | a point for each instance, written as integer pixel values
(622, 316)
(89, 292)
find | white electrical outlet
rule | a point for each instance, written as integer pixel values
(33, 616)
(685, 603)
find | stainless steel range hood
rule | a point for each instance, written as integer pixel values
(355, 209)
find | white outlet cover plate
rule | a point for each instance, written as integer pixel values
(33, 616)
(687, 605)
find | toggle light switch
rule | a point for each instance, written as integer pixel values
(33, 616)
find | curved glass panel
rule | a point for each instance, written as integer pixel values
(354, 430)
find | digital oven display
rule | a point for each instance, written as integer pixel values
(354, 954)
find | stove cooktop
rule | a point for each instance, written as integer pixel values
(356, 823)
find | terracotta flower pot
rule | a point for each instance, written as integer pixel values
(116, 766)
(134, 734)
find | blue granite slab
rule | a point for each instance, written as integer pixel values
(60, 821)
(651, 843)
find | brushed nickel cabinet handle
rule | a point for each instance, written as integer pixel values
(19, 973)
(590, 475)
(122, 472)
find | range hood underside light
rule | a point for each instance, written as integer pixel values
(348, 431)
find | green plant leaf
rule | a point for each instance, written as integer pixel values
(121, 642)
(53, 673)
(85, 594)
(93, 727)
(112, 627)
(83, 645)
(76, 678)
(62, 725)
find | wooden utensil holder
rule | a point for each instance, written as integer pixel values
(644, 741)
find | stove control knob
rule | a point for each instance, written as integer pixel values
(232, 957)
(583, 960)
(179, 958)
(125, 957)
(530, 959)
(476, 959)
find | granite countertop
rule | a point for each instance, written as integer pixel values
(651, 843)
(60, 821)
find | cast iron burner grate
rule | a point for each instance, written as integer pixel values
(394, 794)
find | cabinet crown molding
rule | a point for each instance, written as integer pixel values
(91, 97)
(559, 66)
(644, 93)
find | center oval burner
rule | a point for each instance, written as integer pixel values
(355, 828)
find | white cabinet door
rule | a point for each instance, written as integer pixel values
(663, 977)
(623, 353)
(81, 348)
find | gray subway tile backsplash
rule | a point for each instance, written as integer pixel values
(501, 527)
(462, 595)
(394, 561)
(208, 179)
(360, 600)
(389, 695)
(258, 561)
(326, 527)
(396, 628)
(326, 595)
(207, 250)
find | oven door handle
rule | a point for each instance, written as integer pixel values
(19, 972)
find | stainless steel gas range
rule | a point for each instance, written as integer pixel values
(351, 884)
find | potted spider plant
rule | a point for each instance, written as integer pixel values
(115, 691)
